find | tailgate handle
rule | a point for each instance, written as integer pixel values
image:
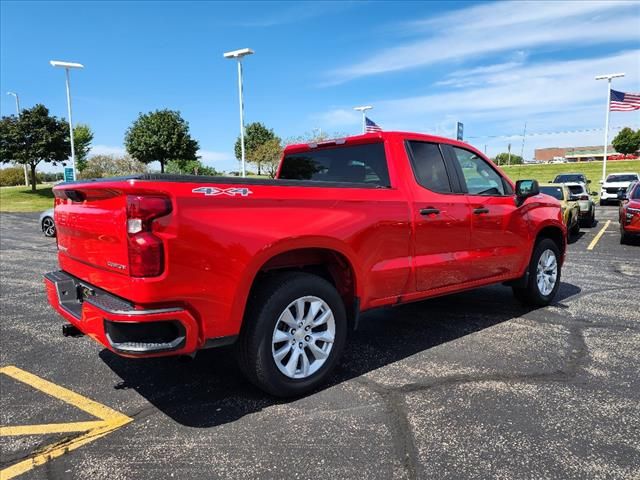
(479, 211)
(429, 211)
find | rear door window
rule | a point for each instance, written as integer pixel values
(366, 164)
(428, 166)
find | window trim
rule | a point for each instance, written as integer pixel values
(453, 180)
(463, 183)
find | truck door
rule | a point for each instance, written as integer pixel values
(499, 232)
(441, 218)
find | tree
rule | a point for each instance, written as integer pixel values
(101, 166)
(32, 138)
(256, 134)
(627, 142)
(190, 167)
(160, 136)
(268, 156)
(503, 159)
(82, 138)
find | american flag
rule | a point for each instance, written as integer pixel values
(371, 126)
(623, 102)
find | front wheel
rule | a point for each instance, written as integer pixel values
(544, 275)
(294, 333)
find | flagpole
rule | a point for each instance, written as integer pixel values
(606, 132)
(606, 122)
(363, 109)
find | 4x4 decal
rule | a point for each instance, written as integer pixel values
(232, 192)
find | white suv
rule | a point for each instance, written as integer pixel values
(615, 183)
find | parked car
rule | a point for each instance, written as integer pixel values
(47, 223)
(571, 178)
(580, 193)
(614, 183)
(156, 265)
(630, 212)
(570, 207)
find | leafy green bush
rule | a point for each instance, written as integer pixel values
(11, 176)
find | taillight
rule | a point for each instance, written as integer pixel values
(146, 251)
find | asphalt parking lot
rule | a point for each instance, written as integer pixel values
(468, 386)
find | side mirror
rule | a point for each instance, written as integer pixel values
(526, 189)
(588, 181)
(594, 194)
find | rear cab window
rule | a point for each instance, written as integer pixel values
(365, 164)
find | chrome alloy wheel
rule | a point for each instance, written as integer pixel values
(303, 337)
(48, 227)
(547, 272)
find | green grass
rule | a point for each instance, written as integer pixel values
(22, 199)
(593, 170)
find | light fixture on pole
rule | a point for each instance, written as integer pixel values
(363, 109)
(24, 165)
(606, 122)
(67, 66)
(238, 54)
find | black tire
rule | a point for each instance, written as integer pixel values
(592, 219)
(575, 228)
(531, 294)
(267, 302)
(624, 238)
(602, 203)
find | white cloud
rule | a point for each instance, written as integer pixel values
(338, 118)
(496, 100)
(502, 27)
(107, 150)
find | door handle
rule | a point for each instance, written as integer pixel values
(429, 211)
(479, 211)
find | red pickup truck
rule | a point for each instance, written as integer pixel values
(167, 265)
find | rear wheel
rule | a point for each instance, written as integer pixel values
(48, 227)
(294, 333)
(592, 218)
(544, 275)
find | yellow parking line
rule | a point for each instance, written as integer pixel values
(593, 243)
(48, 428)
(110, 420)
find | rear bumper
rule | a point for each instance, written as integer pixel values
(124, 328)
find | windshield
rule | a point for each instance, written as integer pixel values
(635, 195)
(570, 177)
(555, 192)
(622, 178)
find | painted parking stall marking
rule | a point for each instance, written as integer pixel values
(597, 238)
(107, 420)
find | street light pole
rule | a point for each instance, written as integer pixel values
(24, 165)
(363, 109)
(606, 122)
(67, 66)
(238, 54)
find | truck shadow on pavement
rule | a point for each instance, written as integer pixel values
(210, 389)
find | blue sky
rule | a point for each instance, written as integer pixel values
(423, 65)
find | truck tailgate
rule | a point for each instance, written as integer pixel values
(92, 226)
